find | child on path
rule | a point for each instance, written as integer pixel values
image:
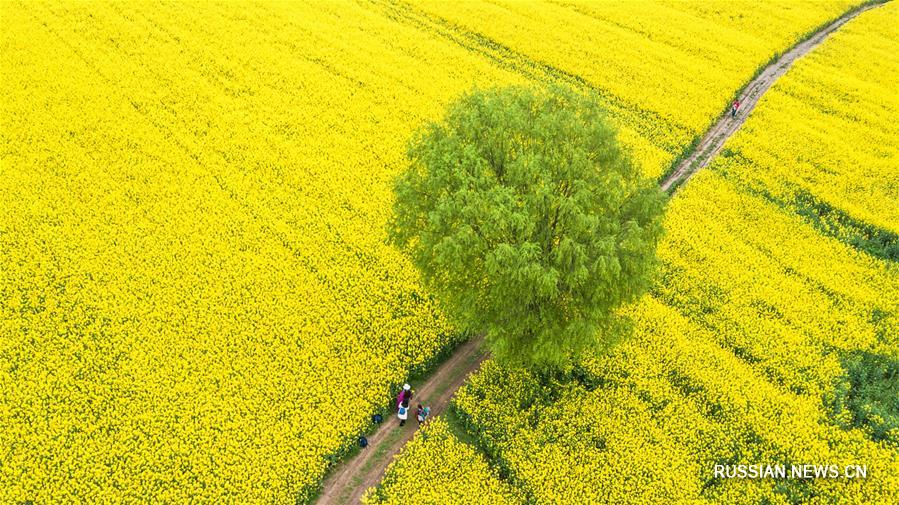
(423, 413)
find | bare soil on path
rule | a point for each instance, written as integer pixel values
(714, 139)
(349, 481)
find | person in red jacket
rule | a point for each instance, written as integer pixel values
(405, 395)
(734, 107)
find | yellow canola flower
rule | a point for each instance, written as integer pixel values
(735, 350)
(197, 301)
(670, 404)
(828, 128)
(435, 467)
(667, 69)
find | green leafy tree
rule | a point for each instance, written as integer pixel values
(528, 222)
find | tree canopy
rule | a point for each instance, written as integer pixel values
(529, 222)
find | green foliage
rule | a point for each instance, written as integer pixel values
(867, 396)
(529, 222)
(875, 241)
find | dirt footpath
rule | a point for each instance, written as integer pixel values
(726, 126)
(349, 481)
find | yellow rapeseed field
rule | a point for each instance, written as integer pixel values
(828, 129)
(667, 68)
(437, 468)
(739, 346)
(197, 300)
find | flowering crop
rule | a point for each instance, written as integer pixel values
(734, 355)
(828, 129)
(662, 410)
(730, 369)
(666, 69)
(197, 302)
(437, 468)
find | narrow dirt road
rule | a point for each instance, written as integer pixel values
(349, 481)
(726, 126)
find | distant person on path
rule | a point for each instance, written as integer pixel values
(423, 413)
(734, 107)
(403, 411)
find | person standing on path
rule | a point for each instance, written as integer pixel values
(405, 394)
(734, 107)
(423, 413)
(403, 411)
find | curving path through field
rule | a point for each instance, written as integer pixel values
(349, 481)
(726, 125)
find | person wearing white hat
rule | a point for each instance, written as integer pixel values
(402, 403)
(405, 394)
